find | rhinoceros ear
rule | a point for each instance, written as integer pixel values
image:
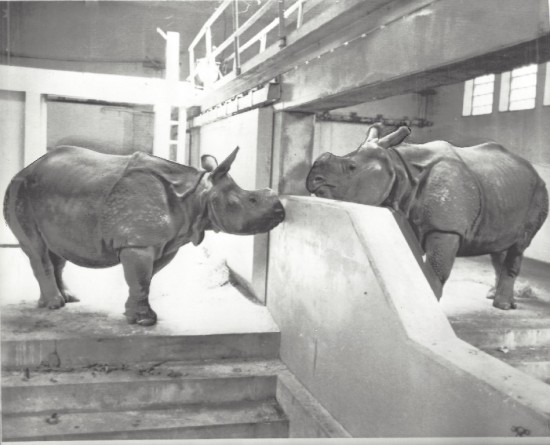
(222, 169)
(209, 162)
(395, 138)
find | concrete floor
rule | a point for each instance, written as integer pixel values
(464, 299)
(191, 296)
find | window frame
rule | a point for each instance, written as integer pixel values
(469, 108)
(506, 90)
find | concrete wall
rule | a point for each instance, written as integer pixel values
(366, 336)
(110, 129)
(12, 121)
(252, 133)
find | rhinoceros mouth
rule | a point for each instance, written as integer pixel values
(323, 190)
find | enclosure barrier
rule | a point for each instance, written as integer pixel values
(362, 331)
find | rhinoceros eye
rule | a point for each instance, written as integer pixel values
(252, 200)
(352, 167)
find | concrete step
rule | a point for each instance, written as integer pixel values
(236, 420)
(532, 360)
(139, 386)
(87, 351)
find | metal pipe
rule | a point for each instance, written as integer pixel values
(236, 40)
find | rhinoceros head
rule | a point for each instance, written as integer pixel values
(364, 176)
(234, 210)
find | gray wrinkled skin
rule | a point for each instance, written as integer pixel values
(461, 201)
(98, 210)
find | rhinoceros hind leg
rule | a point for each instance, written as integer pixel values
(511, 265)
(441, 251)
(138, 271)
(59, 264)
(497, 260)
(43, 270)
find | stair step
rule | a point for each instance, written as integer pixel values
(532, 360)
(86, 351)
(144, 385)
(235, 420)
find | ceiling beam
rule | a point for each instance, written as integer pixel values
(445, 42)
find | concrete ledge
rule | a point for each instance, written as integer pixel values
(307, 418)
(363, 332)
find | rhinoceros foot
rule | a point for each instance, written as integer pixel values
(69, 297)
(505, 305)
(55, 302)
(146, 317)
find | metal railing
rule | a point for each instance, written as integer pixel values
(214, 54)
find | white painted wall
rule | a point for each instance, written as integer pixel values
(109, 129)
(12, 119)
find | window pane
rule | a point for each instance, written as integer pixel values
(525, 70)
(522, 93)
(529, 80)
(486, 99)
(485, 109)
(488, 78)
(486, 88)
(526, 104)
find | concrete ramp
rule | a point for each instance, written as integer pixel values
(363, 332)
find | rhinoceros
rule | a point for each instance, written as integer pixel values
(98, 210)
(459, 201)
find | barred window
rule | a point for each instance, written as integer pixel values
(519, 89)
(478, 95)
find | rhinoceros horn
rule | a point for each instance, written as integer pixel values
(390, 140)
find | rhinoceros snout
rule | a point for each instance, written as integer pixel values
(279, 211)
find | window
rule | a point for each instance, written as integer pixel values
(518, 89)
(478, 95)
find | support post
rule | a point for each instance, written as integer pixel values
(162, 109)
(236, 41)
(161, 144)
(282, 32)
(35, 127)
(192, 66)
(182, 156)
(292, 152)
(173, 56)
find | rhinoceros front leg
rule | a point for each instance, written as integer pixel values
(506, 279)
(138, 271)
(441, 251)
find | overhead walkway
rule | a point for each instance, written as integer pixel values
(337, 54)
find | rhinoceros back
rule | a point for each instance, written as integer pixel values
(514, 196)
(62, 194)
